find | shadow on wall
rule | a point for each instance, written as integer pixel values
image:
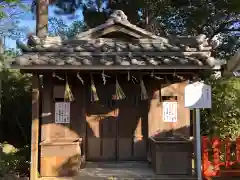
(70, 167)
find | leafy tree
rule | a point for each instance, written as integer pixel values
(217, 19)
(15, 92)
(10, 13)
(223, 119)
(197, 17)
(10, 28)
(58, 27)
(10, 8)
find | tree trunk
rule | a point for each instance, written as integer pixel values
(1, 46)
(1, 53)
(42, 18)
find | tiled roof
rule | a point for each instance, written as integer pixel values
(144, 50)
(73, 59)
(110, 45)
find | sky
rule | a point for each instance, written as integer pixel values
(27, 21)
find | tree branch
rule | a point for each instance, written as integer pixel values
(230, 30)
(222, 27)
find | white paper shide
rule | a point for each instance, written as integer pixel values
(62, 112)
(170, 111)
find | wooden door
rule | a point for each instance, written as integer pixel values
(131, 136)
(115, 129)
(101, 133)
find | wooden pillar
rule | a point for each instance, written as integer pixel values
(35, 128)
(47, 107)
(194, 141)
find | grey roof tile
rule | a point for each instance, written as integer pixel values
(148, 50)
(35, 59)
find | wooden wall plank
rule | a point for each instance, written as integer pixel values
(77, 126)
(124, 148)
(35, 128)
(93, 148)
(155, 118)
(109, 137)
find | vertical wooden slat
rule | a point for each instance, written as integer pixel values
(238, 149)
(228, 153)
(216, 153)
(115, 114)
(35, 128)
(205, 162)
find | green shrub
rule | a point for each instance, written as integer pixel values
(13, 160)
(223, 120)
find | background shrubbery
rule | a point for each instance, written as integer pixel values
(14, 161)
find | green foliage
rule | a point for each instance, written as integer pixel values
(14, 161)
(15, 118)
(59, 27)
(223, 119)
(16, 93)
(203, 16)
(5, 5)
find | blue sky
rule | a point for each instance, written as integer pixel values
(27, 21)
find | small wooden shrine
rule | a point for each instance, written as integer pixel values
(113, 93)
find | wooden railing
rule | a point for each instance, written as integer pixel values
(220, 157)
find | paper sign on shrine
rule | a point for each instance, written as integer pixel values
(62, 112)
(170, 112)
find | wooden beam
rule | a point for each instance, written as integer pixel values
(35, 128)
(61, 51)
(114, 67)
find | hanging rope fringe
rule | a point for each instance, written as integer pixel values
(178, 76)
(119, 92)
(80, 78)
(94, 96)
(156, 77)
(68, 96)
(104, 76)
(56, 76)
(144, 95)
(134, 80)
